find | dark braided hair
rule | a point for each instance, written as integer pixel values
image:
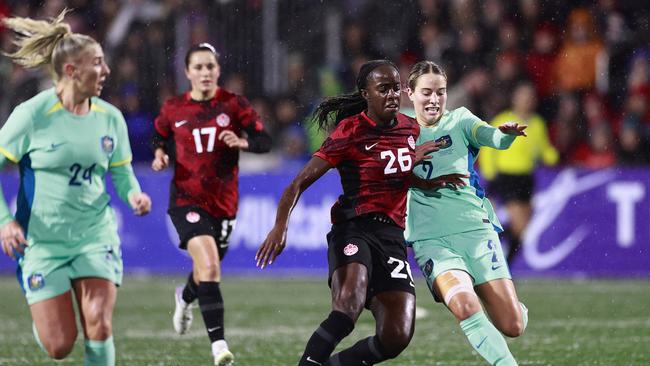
(346, 105)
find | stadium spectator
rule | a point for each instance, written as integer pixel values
(510, 172)
(454, 226)
(367, 258)
(64, 234)
(203, 130)
(575, 66)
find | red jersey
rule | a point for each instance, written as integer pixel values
(206, 168)
(375, 166)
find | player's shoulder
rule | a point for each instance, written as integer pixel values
(176, 101)
(231, 99)
(349, 126)
(101, 106)
(42, 103)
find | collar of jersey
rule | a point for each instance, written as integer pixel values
(374, 124)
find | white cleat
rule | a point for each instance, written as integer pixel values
(222, 356)
(182, 313)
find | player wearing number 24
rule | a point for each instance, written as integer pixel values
(203, 131)
(373, 148)
(64, 233)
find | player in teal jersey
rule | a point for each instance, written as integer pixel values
(64, 234)
(453, 229)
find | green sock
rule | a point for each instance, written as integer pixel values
(38, 340)
(524, 314)
(100, 353)
(487, 340)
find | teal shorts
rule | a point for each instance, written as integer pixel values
(47, 270)
(476, 252)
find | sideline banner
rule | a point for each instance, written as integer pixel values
(585, 223)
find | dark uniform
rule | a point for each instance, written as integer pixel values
(203, 193)
(368, 219)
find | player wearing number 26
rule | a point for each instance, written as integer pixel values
(203, 131)
(373, 148)
(64, 233)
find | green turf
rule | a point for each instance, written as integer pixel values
(269, 321)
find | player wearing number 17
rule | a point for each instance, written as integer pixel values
(373, 148)
(204, 130)
(64, 234)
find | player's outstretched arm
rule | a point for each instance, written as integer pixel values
(276, 239)
(513, 128)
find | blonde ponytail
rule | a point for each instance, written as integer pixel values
(45, 43)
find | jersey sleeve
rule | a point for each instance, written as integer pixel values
(15, 135)
(5, 214)
(120, 163)
(335, 147)
(259, 141)
(479, 133)
(549, 154)
(162, 124)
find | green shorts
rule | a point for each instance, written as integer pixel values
(47, 270)
(476, 252)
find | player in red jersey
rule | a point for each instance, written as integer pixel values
(373, 148)
(204, 130)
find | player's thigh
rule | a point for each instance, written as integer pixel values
(205, 255)
(96, 301)
(483, 255)
(502, 304)
(43, 276)
(435, 257)
(349, 284)
(55, 321)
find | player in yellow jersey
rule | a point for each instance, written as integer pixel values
(64, 233)
(510, 172)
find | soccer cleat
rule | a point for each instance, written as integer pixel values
(182, 314)
(222, 356)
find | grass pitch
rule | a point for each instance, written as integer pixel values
(268, 321)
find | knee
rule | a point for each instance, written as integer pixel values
(348, 303)
(209, 271)
(59, 348)
(98, 323)
(394, 340)
(464, 310)
(513, 328)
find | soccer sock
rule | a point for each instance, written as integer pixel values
(369, 351)
(38, 339)
(191, 289)
(524, 315)
(100, 353)
(330, 332)
(211, 305)
(487, 340)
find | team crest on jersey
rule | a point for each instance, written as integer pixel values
(192, 217)
(411, 142)
(108, 144)
(223, 120)
(444, 141)
(35, 281)
(350, 249)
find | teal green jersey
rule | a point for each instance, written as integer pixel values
(63, 159)
(446, 211)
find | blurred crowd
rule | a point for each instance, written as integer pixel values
(589, 61)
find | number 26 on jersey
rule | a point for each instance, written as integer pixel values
(403, 160)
